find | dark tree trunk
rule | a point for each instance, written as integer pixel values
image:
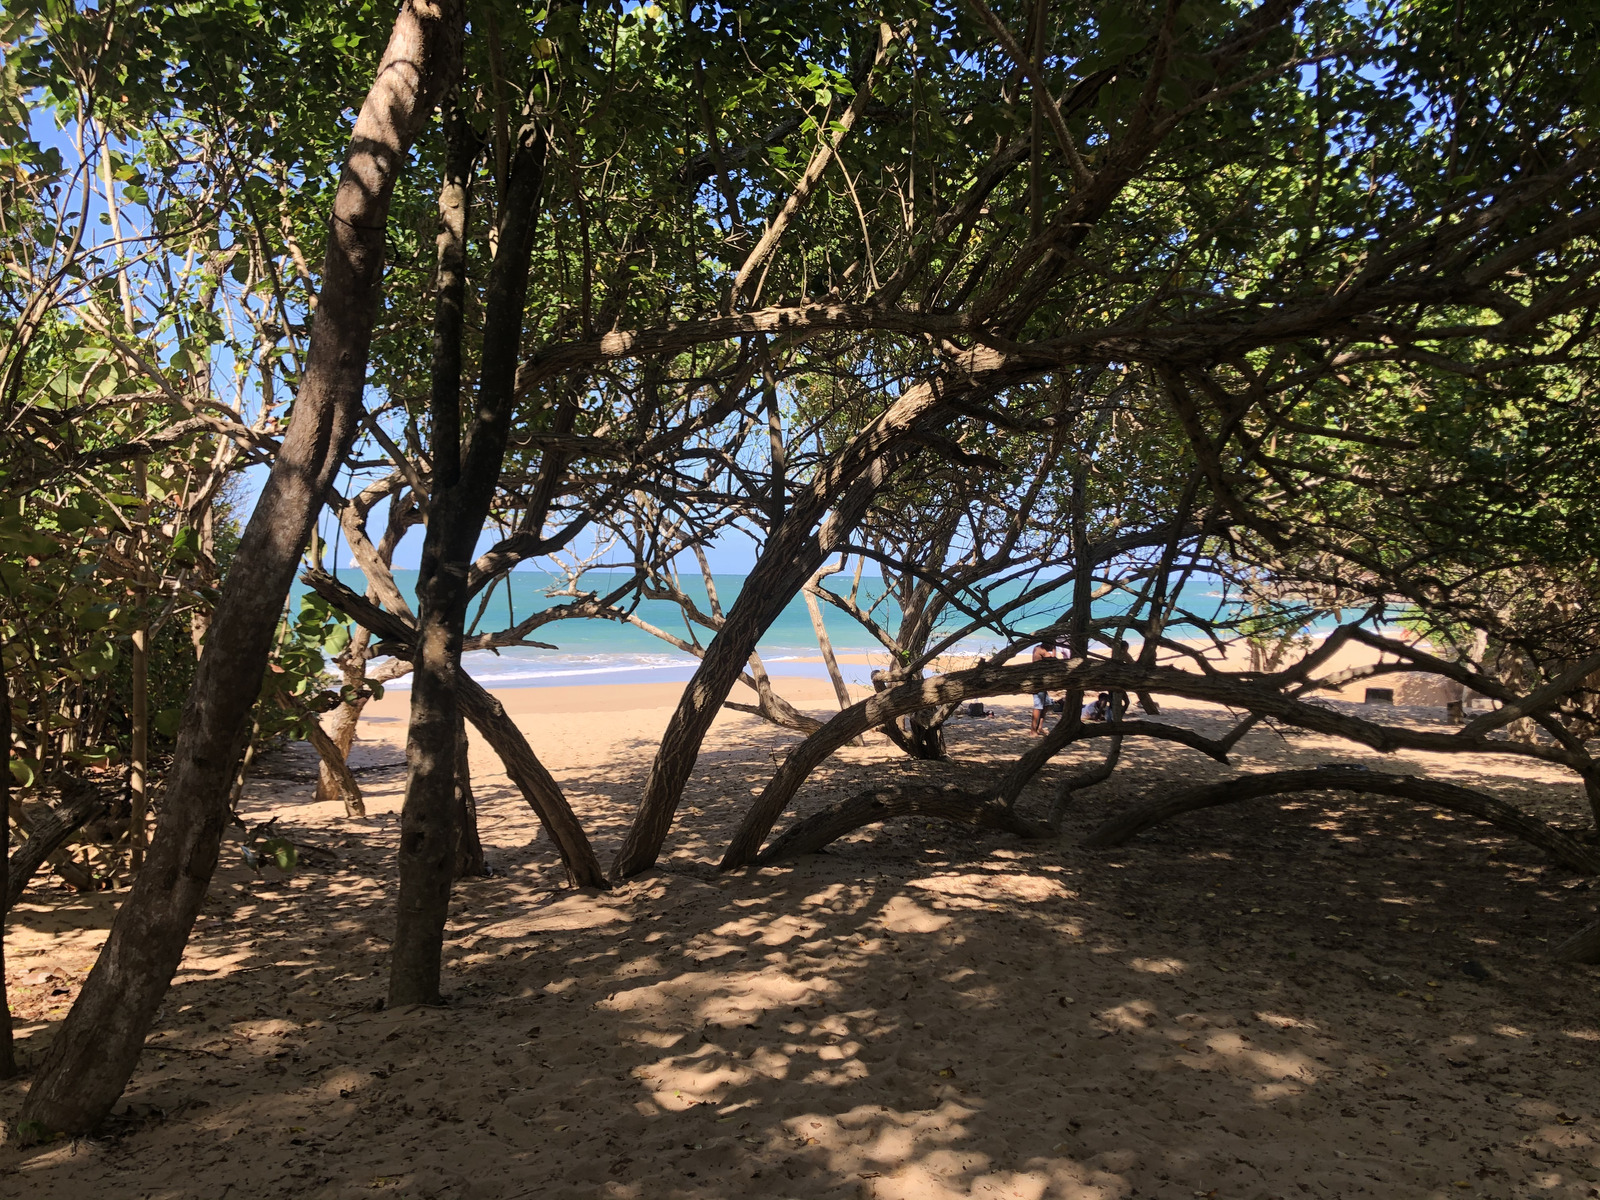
(470, 862)
(925, 738)
(8, 1057)
(95, 1052)
(464, 487)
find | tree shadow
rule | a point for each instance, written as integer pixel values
(1253, 1001)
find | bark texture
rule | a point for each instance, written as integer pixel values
(94, 1053)
(79, 804)
(846, 483)
(1564, 849)
(1581, 947)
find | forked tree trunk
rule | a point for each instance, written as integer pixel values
(463, 490)
(784, 566)
(97, 1047)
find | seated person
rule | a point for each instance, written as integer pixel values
(1100, 710)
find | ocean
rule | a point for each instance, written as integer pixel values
(591, 651)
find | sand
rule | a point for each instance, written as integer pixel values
(1283, 999)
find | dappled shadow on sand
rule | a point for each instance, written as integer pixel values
(1315, 996)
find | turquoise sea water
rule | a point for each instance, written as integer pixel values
(591, 651)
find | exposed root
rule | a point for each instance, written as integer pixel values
(1563, 849)
(950, 803)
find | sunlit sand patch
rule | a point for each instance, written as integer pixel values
(988, 888)
(904, 915)
(770, 931)
(1159, 966)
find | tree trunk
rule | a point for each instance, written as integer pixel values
(8, 1057)
(95, 1052)
(139, 751)
(792, 553)
(825, 644)
(346, 719)
(470, 862)
(463, 491)
(332, 762)
(883, 804)
(79, 803)
(847, 482)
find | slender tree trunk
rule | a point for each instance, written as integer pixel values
(98, 1046)
(463, 490)
(332, 762)
(469, 848)
(139, 749)
(139, 752)
(8, 1056)
(346, 719)
(825, 644)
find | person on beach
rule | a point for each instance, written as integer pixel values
(1041, 700)
(1100, 710)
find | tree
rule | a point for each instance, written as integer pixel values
(94, 1053)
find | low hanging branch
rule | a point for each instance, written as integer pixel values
(1564, 849)
(79, 803)
(876, 805)
(1257, 694)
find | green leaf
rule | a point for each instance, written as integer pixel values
(186, 547)
(22, 771)
(282, 852)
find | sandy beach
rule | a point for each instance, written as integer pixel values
(1277, 999)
